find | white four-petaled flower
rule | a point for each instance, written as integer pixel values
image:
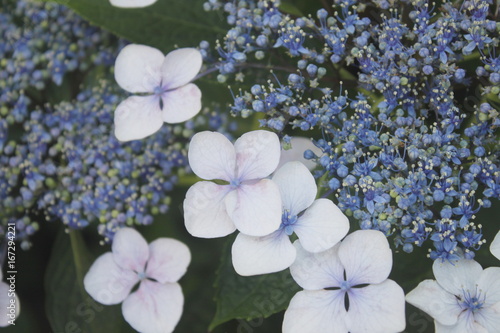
(156, 306)
(163, 82)
(246, 200)
(336, 298)
(132, 3)
(464, 298)
(319, 224)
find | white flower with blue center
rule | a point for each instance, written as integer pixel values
(495, 246)
(346, 288)
(132, 3)
(464, 298)
(319, 224)
(156, 306)
(162, 88)
(242, 199)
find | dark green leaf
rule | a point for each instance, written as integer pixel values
(239, 297)
(69, 308)
(162, 25)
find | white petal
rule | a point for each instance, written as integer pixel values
(296, 153)
(255, 209)
(489, 285)
(205, 213)
(180, 67)
(489, 317)
(107, 283)
(495, 246)
(212, 156)
(154, 307)
(168, 260)
(465, 324)
(377, 308)
(429, 297)
(9, 303)
(130, 250)
(314, 271)
(137, 117)
(181, 104)
(458, 275)
(319, 311)
(137, 67)
(366, 257)
(257, 154)
(132, 3)
(297, 186)
(262, 255)
(322, 226)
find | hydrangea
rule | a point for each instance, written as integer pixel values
(132, 3)
(346, 288)
(172, 99)
(319, 225)
(463, 298)
(246, 200)
(156, 306)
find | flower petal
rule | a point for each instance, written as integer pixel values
(297, 186)
(366, 257)
(168, 260)
(262, 255)
(212, 156)
(316, 311)
(181, 104)
(255, 209)
(137, 117)
(180, 67)
(315, 271)
(106, 282)
(457, 276)
(296, 153)
(495, 246)
(322, 226)
(429, 297)
(257, 154)
(154, 307)
(489, 317)
(130, 250)
(132, 3)
(377, 308)
(9, 303)
(489, 285)
(464, 325)
(205, 213)
(137, 67)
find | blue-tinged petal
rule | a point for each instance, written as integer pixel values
(180, 67)
(262, 255)
(181, 104)
(154, 307)
(316, 311)
(137, 117)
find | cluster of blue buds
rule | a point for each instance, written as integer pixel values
(68, 166)
(40, 43)
(415, 153)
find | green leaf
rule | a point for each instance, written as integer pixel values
(69, 308)
(162, 25)
(239, 297)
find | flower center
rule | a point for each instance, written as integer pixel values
(141, 275)
(287, 222)
(345, 286)
(235, 183)
(472, 302)
(158, 91)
